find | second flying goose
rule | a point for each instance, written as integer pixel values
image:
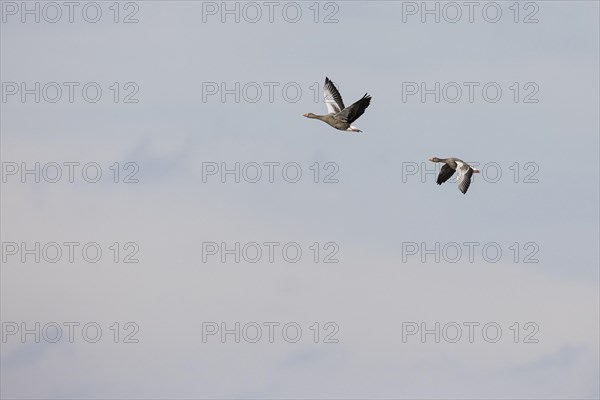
(464, 172)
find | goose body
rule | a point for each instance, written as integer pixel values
(339, 116)
(463, 170)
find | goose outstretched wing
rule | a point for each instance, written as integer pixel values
(333, 98)
(465, 172)
(445, 173)
(357, 109)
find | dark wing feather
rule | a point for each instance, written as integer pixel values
(357, 109)
(445, 173)
(465, 181)
(335, 94)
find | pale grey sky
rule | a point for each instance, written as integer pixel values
(371, 214)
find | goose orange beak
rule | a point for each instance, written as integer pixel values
(305, 115)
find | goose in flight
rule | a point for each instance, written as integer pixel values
(464, 172)
(339, 116)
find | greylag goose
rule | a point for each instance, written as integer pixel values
(339, 116)
(464, 172)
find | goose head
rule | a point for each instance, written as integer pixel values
(310, 115)
(434, 159)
